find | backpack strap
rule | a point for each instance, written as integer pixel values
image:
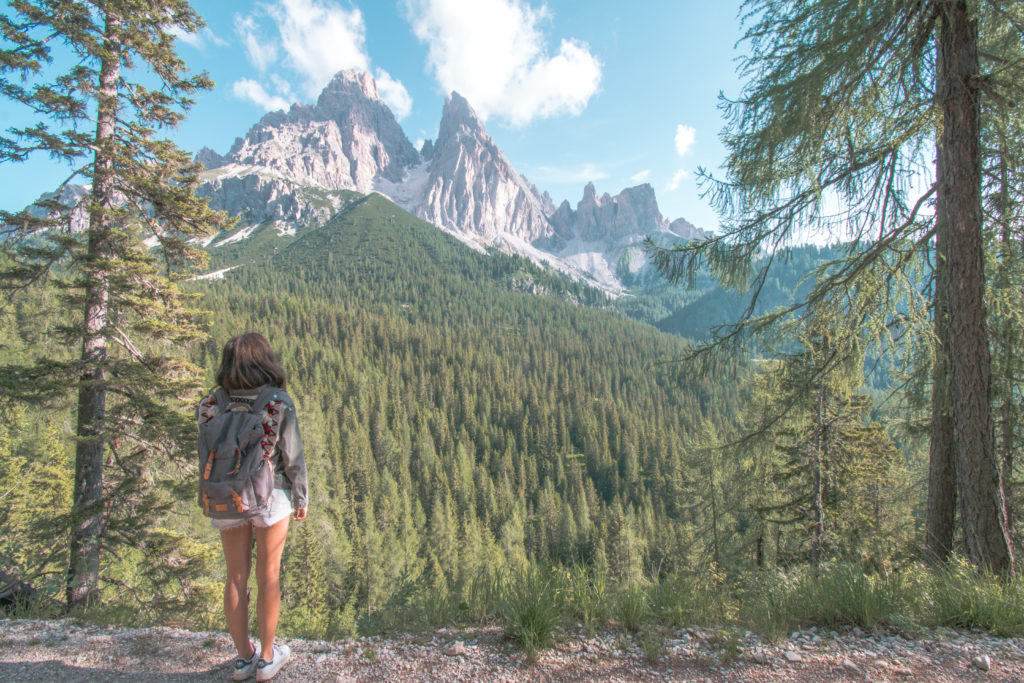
(267, 395)
(270, 415)
(223, 400)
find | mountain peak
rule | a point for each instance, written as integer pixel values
(473, 188)
(350, 82)
(458, 115)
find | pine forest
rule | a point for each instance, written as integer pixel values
(761, 431)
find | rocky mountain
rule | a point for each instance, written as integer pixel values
(471, 186)
(290, 166)
(298, 168)
(603, 234)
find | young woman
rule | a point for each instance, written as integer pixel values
(247, 366)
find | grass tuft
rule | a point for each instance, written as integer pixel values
(530, 612)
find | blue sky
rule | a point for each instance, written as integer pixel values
(612, 92)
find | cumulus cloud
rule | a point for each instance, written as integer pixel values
(640, 176)
(685, 136)
(677, 178)
(313, 40)
(394, 94)
(261, 51)
(248, 89)
(320, 39)
(493, 53)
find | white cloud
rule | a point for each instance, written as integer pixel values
(283, 87)
(679, 176)
(248, 89)
(492, 53)
(199, 39)
(320, 39)
(394, 94)
(641, 176)
(315, 39)
(685, 136)
(261, 51)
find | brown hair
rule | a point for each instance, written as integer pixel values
(249, 362)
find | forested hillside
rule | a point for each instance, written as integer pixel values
(694, 311)
(468, 417)
(463, 413)
(491, 441)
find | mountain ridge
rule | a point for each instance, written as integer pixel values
(290, 165)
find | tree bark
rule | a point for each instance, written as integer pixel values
(942, 452)
(982, 509)
(818, 508)
(88, 507)
(1008, 342)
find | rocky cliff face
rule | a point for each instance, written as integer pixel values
(472, 187)
(293, 168)
(632, 212)
(602, 235)
(346, 141)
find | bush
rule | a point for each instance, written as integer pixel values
(585, 595)
(842, 594)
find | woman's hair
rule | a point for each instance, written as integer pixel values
(249, 362)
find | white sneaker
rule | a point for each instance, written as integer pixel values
(265, 670)
(244, 668)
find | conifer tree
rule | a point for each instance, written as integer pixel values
(101, 114)
(843, 103)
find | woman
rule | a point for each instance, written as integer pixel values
(248, 365)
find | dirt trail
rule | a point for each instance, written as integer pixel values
(32, 650)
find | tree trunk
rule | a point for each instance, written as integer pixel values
(1009, 339)
(87, 511)
(942, 452)
(982, 509)
(714, 519)
(818, 508)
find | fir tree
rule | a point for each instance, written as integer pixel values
(128, 318)
(842, 105)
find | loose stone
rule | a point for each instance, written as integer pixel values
(982, 662)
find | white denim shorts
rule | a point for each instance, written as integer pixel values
(280, 508)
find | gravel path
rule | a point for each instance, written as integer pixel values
(66, 651)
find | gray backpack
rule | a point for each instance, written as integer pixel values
(236, 441)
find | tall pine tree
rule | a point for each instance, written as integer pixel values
(845, 104)
(100, 79)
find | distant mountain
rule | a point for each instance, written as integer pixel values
(293, 168)
(298, 169)
(290, 167)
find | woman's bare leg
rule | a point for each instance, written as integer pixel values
(269, 546)
(237, 542)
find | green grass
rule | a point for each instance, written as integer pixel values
(964, 598)
(531, 612)
(632, 608)
(533, 606)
